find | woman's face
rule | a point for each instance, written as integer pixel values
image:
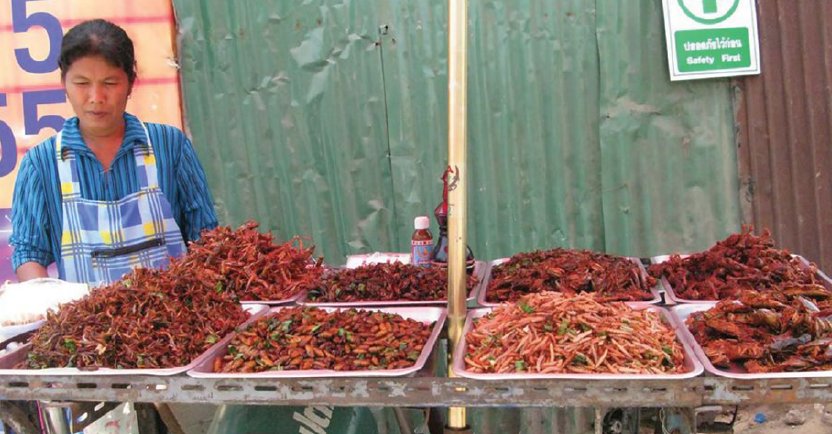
(98, 93)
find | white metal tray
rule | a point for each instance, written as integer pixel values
(8, 361)
(482, 292)
(681, 314)
(9, 332)
(692, 365)
(427, 315)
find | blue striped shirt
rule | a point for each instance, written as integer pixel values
(36, 205)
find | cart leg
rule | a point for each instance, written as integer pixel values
(146, 417)
(169, 419)
(599, 420)
(55, 419)
(436, 420)
(16, 418)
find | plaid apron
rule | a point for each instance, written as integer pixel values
(102, 240)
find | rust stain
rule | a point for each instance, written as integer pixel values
(784, 128)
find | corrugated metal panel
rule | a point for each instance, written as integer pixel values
(534, 154)
(329, 119)
(413, 54)
(533, 181)
(668, 158)
(286, 106)
(785, 127)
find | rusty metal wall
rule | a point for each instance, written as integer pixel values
(784, 122)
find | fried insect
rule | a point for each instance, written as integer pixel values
(739, 263)
(249, 265)
(310, 338)
(385, 282)
(571, 272)
(765, 332)
(550, 333)
(150, 319)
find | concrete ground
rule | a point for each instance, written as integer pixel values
(804, 419)
(777, 416)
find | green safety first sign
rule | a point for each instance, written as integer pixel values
(711, 38)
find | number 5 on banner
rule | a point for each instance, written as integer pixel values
(32, 122)
(8, 146)
(22, 22)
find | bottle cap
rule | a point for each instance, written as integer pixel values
(421, 222)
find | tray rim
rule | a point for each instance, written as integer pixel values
(8, 333)
(293, 299)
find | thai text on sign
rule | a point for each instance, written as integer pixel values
(711, 38)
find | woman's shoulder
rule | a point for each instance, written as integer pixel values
(42, 152)
(158, 132)
(38, 162)
(165, 131)
(166, 138)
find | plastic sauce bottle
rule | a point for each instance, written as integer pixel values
(421, 242)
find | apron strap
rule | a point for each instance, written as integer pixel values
(146, 164)
(68, 169)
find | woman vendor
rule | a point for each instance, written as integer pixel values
(109, 192)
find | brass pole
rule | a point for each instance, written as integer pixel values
(457, 182)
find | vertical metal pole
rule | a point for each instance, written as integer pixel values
(168, 418)
(457, 185)
(16, 418)
(146, 418)
(55, 419)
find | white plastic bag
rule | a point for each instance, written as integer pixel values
(120, 420)
(355, 261)
(27, 302)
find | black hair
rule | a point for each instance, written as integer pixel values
(98, 38)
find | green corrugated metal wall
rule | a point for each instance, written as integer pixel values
(328, 119)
